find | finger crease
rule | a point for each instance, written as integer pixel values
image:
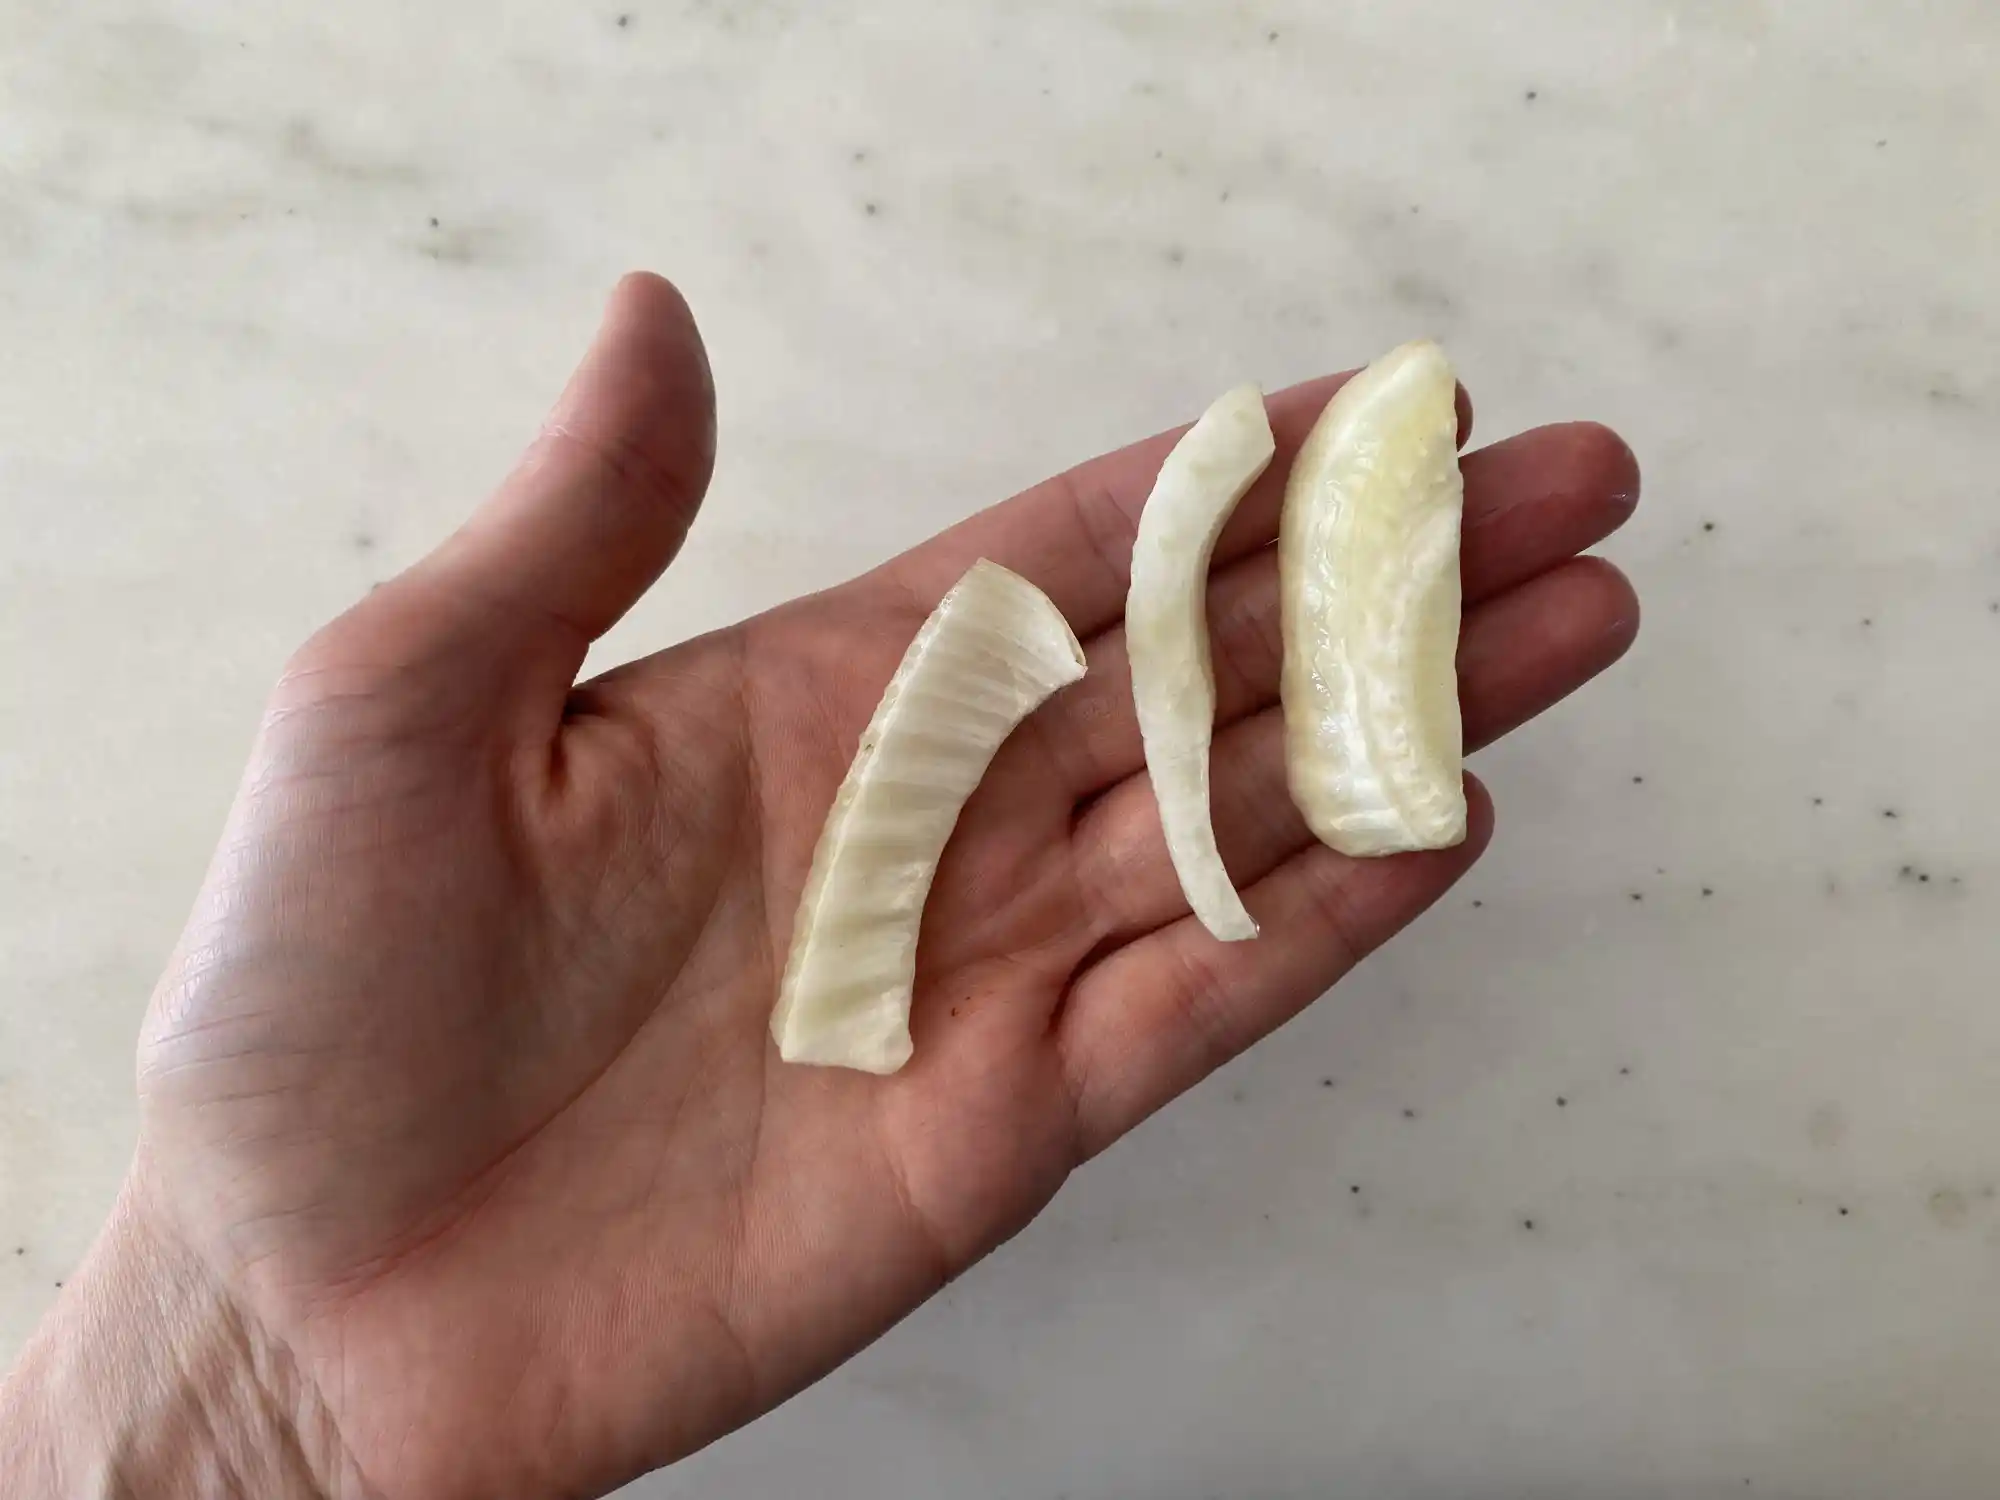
(1330, 902)
(1247, 641)
(1203, 1002)
(628, 467)
(1113, 551)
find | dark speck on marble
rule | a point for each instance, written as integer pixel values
(1354, 1187)
(363, 542)
(1422, 294)
(463, 246)
(1708, 525)
(1637, 895)
(1409, 1114)
(1528, 1224)
(1844, 1211)
(1176, 255)
(1326, 1083)
(873, 210)
(624, 21)
(1561, 1102)
(434, 222)
(1476, 905)
(1532, 95)
(1708, 890)
(1891, 814)
(1624, 1072)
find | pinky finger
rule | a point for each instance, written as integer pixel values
(1149, 1021)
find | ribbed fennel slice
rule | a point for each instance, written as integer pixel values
(992, 651)
(1368, 562)
(1166, 636)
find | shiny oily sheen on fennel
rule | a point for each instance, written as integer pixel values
(1368, 565)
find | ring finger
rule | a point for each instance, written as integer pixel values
(1518, 655)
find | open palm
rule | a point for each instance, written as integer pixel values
(459, 1082)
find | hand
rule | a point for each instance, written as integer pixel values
(459, 1088)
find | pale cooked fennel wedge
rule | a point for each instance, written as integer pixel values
(1166, 636)
(1368, 562)
(992, 651)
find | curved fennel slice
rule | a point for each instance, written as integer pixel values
(1368, 563)
(1166, 636)
(991, 652)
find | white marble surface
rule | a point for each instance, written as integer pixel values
(282, 286)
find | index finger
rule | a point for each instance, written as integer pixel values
(1072, 535)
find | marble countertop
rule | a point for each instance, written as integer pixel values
(283, 287)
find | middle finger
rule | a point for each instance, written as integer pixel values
(1530, 503)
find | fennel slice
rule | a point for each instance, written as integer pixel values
(1166, 636)
(1368, 562)
(992, 651)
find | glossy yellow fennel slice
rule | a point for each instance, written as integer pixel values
(1166, 635)
(992, 651)
(1368, 561)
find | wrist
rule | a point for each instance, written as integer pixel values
(146, 1380)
